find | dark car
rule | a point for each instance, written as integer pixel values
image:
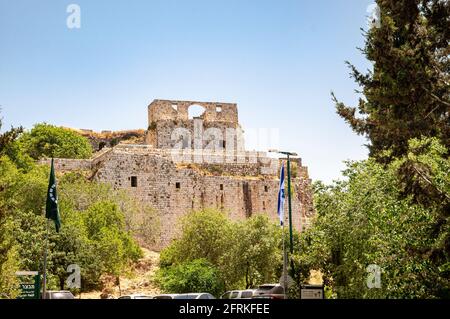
(269, 291)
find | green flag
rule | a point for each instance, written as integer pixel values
(52, 211)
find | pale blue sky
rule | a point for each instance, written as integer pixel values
(278, 60)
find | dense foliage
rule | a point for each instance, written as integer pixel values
(363, 221)
(191, 276)
(97, 221)
(393, 209)
(244, 254)
(45, 140)
(8, 137)
(94, 233)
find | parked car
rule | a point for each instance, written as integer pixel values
(136, 297)
(239, 294)
(186, 296)
(166, 296)
(58, 295)
(200, 296)
(269, 291)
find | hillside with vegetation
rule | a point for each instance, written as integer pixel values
(101, 226)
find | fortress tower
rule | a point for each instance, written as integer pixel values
(173, 124)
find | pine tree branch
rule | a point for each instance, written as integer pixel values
(438, 99)
(425, 178)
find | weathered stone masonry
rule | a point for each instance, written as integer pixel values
(240, 183)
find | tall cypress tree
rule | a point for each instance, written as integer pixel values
(406, 95)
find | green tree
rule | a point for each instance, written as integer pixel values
(256, 252)
(246, 253)
(204, 234)
(404, 113)
(105, 226)
(406, 95)
(94, 234)
(46, 140)
(98, 221)
(8, 246)
(7, 138)
(364, 220)
(9, 259)
(78, 193)
(198, 275)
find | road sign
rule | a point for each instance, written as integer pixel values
(27, 273)
(27, 291)
(312, 292)
(30, 288)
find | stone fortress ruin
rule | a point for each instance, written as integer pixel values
(183, 163)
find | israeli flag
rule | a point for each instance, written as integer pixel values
(281, 196)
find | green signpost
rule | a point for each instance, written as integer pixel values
(30, 287)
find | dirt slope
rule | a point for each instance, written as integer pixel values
(138, 281)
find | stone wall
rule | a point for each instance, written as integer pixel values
(163, 110)
(68, 165)
(217, 127)
(196, 133)
(177, 181)
(99, 140)
(174, 191)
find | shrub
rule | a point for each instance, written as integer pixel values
(198, 275)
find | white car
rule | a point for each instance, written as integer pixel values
(239, 294)
(136, 297)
